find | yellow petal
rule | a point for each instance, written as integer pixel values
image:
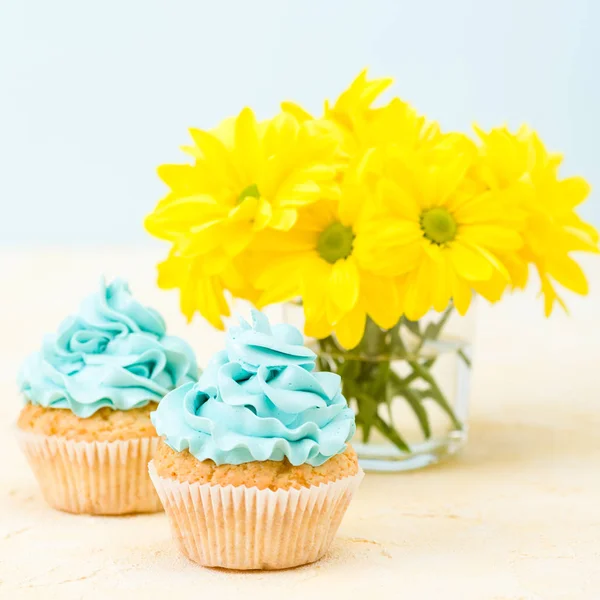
(303, 186)
(386, 260)
(344, 284)
(281, 134)
(482, 209)
(518, 268)
(284, 292)
(361, 93)
(187, 297)
(493, 289)
(234, 280)
(468, 263)
(380, 298)
(442, 291)
(283, 219)
(367, 163)
(245, 210)
(177, 177)
(390, 232)
(550, 295)
(225, 133)
(171, 272)
(197, 292)
(202, 239)
(294, 195)
(496, 263)
(333, 313)
(350, 205)
(180, 215)
(568, 273)
(314, 279)
(239, 235)
(448, 178)
(264, 212)
(491, 236)
(296, 111)
(295, 240)
(418, 298)
(573, 191)
(318, 141)
(461, 294)
(436, 253)
(248, 151)
(278, 275)
(216, 155)
(210, 300)
(400, 201)
(318, 328)
(215, 262)
(351, 327)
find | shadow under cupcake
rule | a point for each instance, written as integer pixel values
(255, 471)
(85, 428)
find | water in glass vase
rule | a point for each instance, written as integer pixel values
(409, 388)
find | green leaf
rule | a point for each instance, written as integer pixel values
(413, 398)
(350, 369)
(435, 392)
(373, 342)
(366, 413)
(391, 434)
(412, 326)
(410, 378)
(322, 364)
(433, 330)
(397, 347)
(465, 358)
(381, 379)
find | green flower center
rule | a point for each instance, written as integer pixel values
(335, 242)
(251, 190)
(438, 225)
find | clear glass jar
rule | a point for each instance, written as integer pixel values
(409, 388)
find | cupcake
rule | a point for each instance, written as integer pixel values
(85, 427)
(255, 471)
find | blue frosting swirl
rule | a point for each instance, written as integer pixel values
(114, 352)
(259, 400)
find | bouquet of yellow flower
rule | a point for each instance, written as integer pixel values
(370, 218)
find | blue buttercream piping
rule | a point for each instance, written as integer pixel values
(114, 352)
(259, 400)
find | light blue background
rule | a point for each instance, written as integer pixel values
(95, 95)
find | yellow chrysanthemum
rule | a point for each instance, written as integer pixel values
(315, 261)
(519, 167)
(436, 231)
(246, 177)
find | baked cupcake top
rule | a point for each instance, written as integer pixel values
(259, 400)
(114, 352)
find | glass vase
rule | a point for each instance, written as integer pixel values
(409, 388)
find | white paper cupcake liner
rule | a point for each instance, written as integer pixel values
(237, 527)
(99, 478)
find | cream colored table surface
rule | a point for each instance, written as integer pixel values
(515, 516)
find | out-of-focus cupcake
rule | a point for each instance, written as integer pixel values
(89, 392)
(255, 471)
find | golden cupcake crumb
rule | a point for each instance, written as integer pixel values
(269, 474)
(104, 425)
